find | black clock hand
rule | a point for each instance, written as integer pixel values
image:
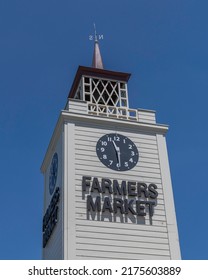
(118, 153)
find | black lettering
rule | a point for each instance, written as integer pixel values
(118, 204)
(152, 191)
(54, 216)
(106, 184)
(119, 190)
(94, 206)
(140, 209)
(132, 188)
(85, 183)
(51, 208)
(142, 188)
(96, 185)
(50, 226)
(107, 205)
(128, 206)
(151, 205)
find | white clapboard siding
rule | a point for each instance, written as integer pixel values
(93, 164)
(143, 158)
(108, 235)
(156, 242)
(91, 146)
(54, 248)
(83, 129)
(146, 117)
(83, 234)
(122, 219)
(77, 107)
(81, 145)
(122, 249)
(142, 154)
(142, 163)
(140, 136)
(139, 176)
(121, 243)
(127, 219)
(121, 228)
(88, 254)
(154, 239)
(138, 141)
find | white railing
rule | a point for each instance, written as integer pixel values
(113, 112)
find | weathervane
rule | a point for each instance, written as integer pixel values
(96, 37)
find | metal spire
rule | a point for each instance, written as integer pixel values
(96, 39)
(97, 59)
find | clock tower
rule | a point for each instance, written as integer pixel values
(107, 184)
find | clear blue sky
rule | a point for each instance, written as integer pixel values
(163, 43)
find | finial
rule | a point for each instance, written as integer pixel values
(96, 39)
(97, 59)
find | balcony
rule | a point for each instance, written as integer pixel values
(124, 113)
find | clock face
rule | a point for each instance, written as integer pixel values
(117, 152)
(53, 173)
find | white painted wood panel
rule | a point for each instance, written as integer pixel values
(138, 176)
(91, 144)
(77, 107)
(88, 164)
(122, 250)
(142, 240)
(83, 256)
(96, 130)
(81, 212)
(151, 167)
(98, 254)
(104, 218)
(84, 235)
(139, 140)
(148, 161)
(69, 189)
(120, 229)
(169, 202)
(148, 237)
(142, 171)
(142, 154)
(122, 243)
(54, 248)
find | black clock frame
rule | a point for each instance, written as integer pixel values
(117, 152)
